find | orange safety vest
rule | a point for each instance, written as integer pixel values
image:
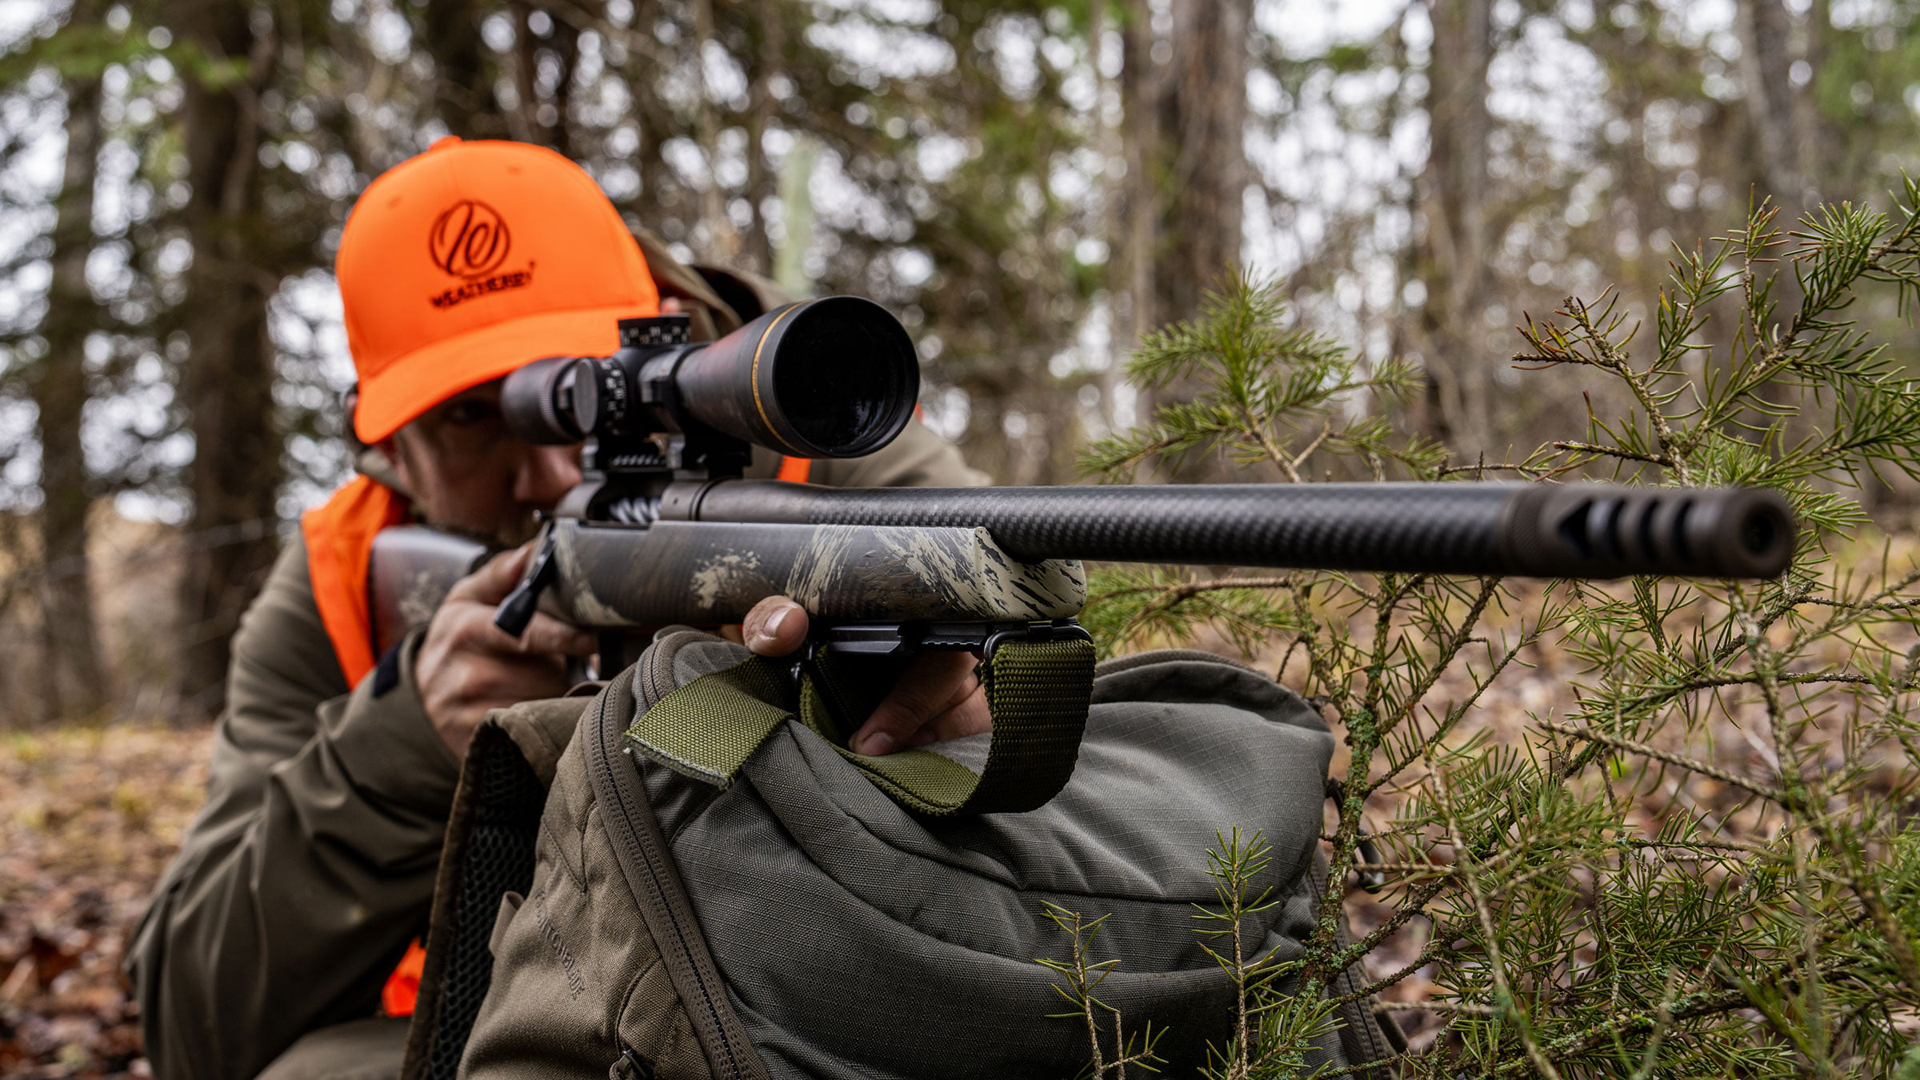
(339, 536)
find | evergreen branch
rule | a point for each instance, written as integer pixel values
(1433, 948)
(1496, 967)
(1611, 451)
(1888, 605)
(1693, 1005)
(1468, 1007)
(1083, 978)
(1195, 588)
(1531, 472)
(1258, 432)
(1365, 1068)
(1574, 939)
(1713, 682)
(1690, 845)
(1861, 883)
(1553, 347)
(1462, 637)
(1677, 760)
(1458, 710)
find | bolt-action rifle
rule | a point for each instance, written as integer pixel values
(663, 530)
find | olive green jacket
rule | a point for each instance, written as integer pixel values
(311, 867)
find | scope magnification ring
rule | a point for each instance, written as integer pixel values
(601, 397)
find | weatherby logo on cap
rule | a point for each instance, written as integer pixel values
(469, 240)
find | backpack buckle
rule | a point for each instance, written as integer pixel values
(1032, 633)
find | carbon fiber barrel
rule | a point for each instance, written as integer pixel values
(1343, 527)
(1540, 530)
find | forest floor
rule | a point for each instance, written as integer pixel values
(89, 817)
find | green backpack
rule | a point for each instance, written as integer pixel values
(688, 876)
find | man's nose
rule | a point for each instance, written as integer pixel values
(545, 474)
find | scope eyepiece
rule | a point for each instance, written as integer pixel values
(835, 377)
(537, 402)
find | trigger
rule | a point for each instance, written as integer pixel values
(516, 611)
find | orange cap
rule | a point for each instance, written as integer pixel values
(463, 263)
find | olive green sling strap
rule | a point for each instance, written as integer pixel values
(1037, 693)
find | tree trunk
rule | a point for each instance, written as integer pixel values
(1781, 146)
(796, 202)
(770, 50)
(1204, 116)
(522, 125)
(73, 677)
(1134, 239)
(1184, 141)
(462, 86)
(722, 245)
(229, 375)
(1821, 146)
(566, 49)
(1453, 250)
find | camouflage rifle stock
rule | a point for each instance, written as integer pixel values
(891, 564)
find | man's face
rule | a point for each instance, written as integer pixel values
(468, 474)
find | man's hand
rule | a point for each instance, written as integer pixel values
(938, 695)
(467, 665)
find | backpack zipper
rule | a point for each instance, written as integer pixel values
(631, 1066)
(618, 793)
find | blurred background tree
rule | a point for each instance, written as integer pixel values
(1030, 186)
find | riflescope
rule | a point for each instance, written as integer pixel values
(835, 377)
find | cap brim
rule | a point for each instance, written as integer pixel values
(431, 375)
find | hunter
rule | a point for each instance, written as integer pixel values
(282, 940)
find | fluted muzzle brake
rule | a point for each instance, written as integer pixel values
(1610, 531)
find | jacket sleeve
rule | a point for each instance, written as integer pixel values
(312, 865)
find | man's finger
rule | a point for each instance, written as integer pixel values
(548, 635)
(932, 684)
(495, 579)
(775, 627)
